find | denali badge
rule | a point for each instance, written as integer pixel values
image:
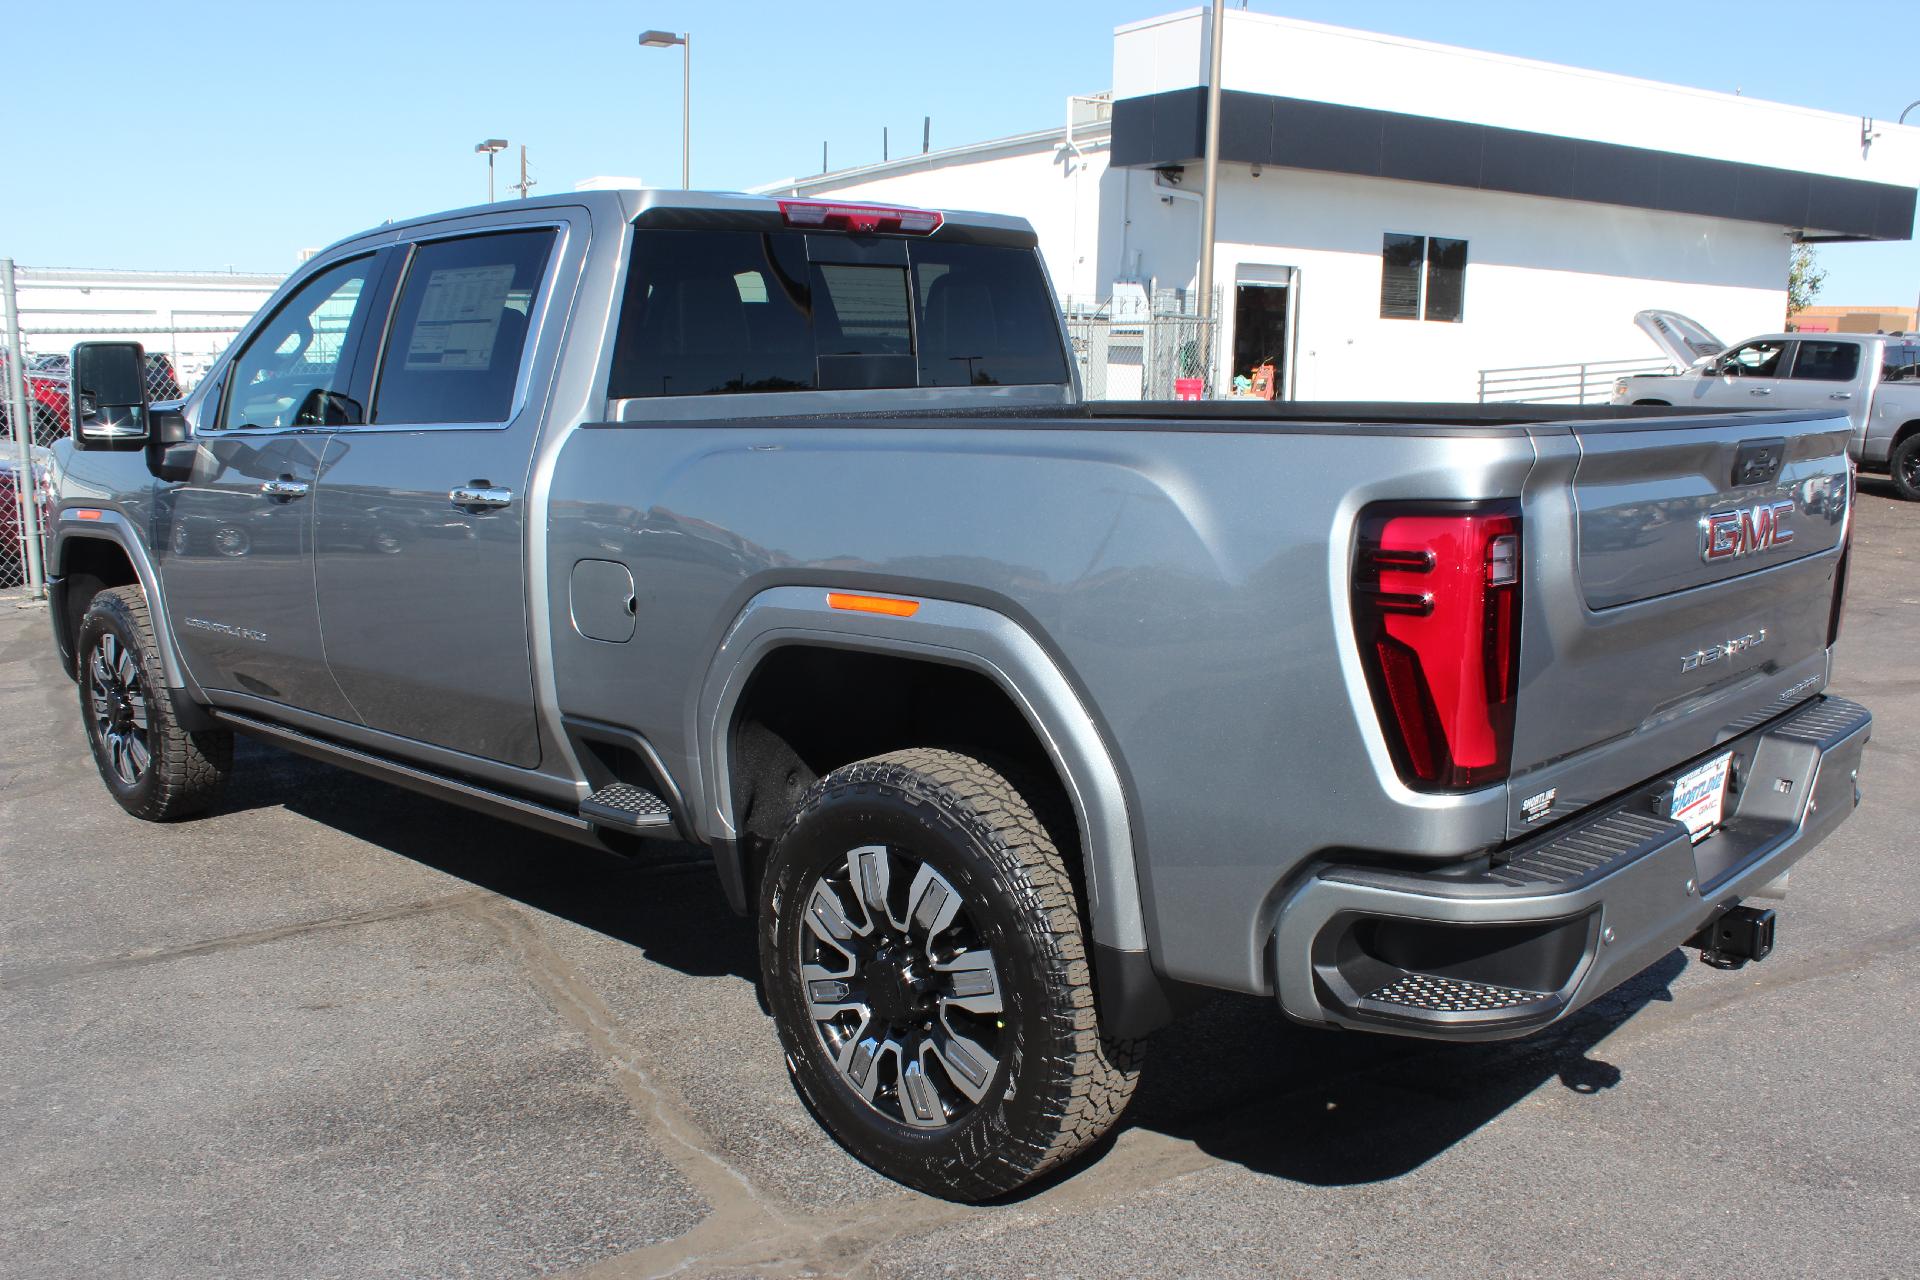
(1727, 535)
(1725, 649)
(228, 629)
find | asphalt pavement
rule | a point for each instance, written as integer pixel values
(338, 1029)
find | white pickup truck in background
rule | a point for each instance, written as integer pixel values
(1874, 377)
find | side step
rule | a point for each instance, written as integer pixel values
(625, 807)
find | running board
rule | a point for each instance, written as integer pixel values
(499, 804)
(625, 807)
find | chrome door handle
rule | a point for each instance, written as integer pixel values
(1761, 391)
(486, 497)
(1841, 395)
(285, 488)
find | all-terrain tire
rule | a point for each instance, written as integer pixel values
(156, 769)
(1903, 466)
(1057, 1083)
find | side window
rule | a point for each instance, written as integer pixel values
(459, 327)
(1827, 361)
(1757, 359)
(292, 373)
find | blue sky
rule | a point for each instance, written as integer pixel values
(214, 135)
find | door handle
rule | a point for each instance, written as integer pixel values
(1761, 391)
(478, 496)
(1841, 395)
(285, 488)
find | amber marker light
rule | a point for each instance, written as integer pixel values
(873, 604)
(86, 513)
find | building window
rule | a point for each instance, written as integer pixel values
(1422, 276)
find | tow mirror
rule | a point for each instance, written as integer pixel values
(109, 395)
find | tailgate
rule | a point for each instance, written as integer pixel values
(1681, 582)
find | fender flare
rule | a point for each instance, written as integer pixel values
(112, 526)
(954, 634)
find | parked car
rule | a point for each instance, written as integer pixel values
(1012, 720)
(1874, 379)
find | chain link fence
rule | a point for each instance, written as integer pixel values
(36, 383)
(1136, 347)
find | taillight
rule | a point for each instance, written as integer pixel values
(864, 218)
(1436, 606)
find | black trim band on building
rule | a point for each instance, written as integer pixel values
(1165, 129)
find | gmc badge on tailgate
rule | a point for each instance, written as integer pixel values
(1745, 531)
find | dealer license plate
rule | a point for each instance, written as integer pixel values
(1700, 796)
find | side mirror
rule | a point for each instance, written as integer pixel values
(109, 395)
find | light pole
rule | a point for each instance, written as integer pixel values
(492, 146)
(666, 40)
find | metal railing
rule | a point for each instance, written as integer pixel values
(1583, 382)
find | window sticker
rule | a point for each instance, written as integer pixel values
(459, 318)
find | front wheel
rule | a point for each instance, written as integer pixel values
(924, 959)
(156, 769)
(1903, 466)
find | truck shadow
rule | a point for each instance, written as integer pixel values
(1334, 1108)
(666, 901)
(1235, 1078)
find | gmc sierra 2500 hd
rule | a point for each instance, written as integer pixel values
(779, 527)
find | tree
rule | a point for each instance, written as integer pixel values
(1804, 278)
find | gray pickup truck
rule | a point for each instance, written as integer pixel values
(1871, 378)
(779, 528)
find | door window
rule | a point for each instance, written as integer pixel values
(1757, 359)
(293, 372)
(459, 328)
(1827, 361)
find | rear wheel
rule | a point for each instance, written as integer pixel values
(156, 769)
(925, 963)
(1904, 467)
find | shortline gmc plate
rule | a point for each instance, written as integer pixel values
(1700, 796)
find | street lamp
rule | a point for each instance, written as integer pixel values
(492, 146)
(666, 40)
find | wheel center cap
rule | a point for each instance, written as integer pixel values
(895, 991)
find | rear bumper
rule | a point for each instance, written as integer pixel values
(1563, 918)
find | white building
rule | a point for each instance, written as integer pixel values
(1397, 216)
(189, 315)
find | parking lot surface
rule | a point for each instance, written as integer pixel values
(337, 1029)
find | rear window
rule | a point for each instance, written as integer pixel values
(712, 312)
(1901, 362)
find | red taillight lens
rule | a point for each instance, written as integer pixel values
(865, 218)
(1436, 606)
